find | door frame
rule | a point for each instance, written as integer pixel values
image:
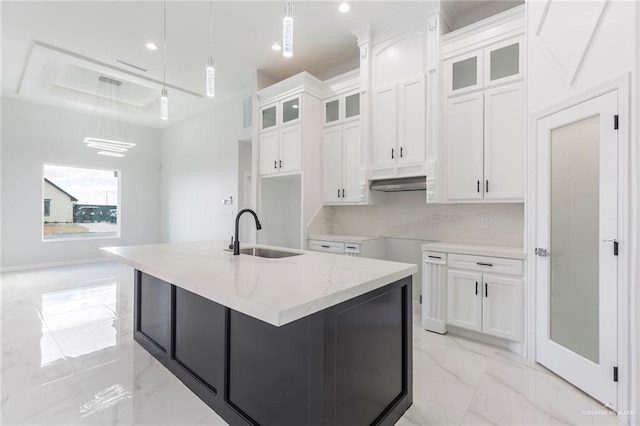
(627, 343)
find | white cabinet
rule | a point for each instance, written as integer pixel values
(281, 151)
(399, 124)
(464, 303)
(281, 137)
(496, 64)
(343, 108)
(341, 163)
(484, 145)
(465, 123)
(479, 299)
(485, 123)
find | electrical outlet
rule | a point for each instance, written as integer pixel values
(484, 222)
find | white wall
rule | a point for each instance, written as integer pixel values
(611, 52)
(199, 170)
(34, 134)
(406, 215)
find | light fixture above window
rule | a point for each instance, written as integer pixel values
(106, 132)
(287, 31)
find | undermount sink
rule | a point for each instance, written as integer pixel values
(269, 253)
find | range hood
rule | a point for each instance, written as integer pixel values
(416, 183)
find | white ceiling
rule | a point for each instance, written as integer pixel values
(52, 51)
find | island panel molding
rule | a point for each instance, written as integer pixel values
(348, 364)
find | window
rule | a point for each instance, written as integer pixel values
(80, 203)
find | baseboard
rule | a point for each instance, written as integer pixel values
(54, 264)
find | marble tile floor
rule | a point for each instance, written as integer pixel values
(68, 358)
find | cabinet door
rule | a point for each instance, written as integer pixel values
(464, 73)
(291, 110)
(502, 313)
(332, 111)
(351, 162)
(269, 153)
(464, 147)
(352, 106)
(503, 62)
(412, 119)
(385, 127)
(503, 144)
(332, 164)
(464, 299)
(268, 117)
(290, 149)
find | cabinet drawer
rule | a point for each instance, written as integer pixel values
(497, 265)
(326, 246)
(435, 257)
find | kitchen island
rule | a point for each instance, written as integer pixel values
(310, 339)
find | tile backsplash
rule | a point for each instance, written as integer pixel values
(405, 215)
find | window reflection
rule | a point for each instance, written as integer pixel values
(80, 320)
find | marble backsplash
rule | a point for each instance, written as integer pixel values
(405, 215)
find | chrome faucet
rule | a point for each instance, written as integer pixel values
(236, 243)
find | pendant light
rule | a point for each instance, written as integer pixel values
(287, 31)
(164, 100)
(211, 70)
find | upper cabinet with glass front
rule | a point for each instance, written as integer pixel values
(280, 113)
(343, 108)
(490, 66)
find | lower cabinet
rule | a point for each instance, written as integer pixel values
(480, 293)
(488, 303)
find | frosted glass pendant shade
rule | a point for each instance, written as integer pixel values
(164, 105)
(211, 77)
(287, 32)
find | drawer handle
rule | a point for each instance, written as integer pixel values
(484, 264)
(435, 257)
(351, 247)
(324, 246)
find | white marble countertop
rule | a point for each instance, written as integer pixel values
(277, 291)
(478, 250)
(359, 239)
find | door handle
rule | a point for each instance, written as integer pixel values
(275, 164)
(478, 186)
(476, 288)
(400, 152)
(486, 186)
(280, 163)
(486, 290)
(338, 192)
(392, 154)
(342, 192)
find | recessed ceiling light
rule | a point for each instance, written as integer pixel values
(151, 45)
(344, 7)
(276, 47)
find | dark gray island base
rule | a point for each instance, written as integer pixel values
(350, 364)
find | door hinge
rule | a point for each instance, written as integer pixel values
(615, 122)
(615, 374)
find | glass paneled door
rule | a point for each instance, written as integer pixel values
(576, 262)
